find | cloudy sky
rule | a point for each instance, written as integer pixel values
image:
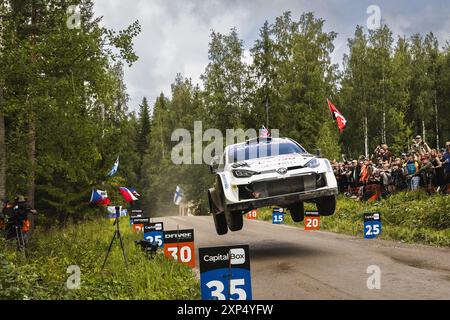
(175, 33)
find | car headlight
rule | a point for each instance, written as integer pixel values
(314, 163)
(243, 173)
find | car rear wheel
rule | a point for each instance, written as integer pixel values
(326, 205)
(220, 223)
(297, 211)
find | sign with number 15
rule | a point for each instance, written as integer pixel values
(277, 216)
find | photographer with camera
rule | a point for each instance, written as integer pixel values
(420, 147)
(19, 220)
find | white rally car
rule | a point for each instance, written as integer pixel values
(269, 172)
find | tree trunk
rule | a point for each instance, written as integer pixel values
(424, 138)
(436, 119)
(32, 157)
(31, 183)
(2, 149)
(366, 135)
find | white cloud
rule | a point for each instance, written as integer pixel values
(175, 34)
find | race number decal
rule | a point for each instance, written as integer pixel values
(312, 220)
(225, 273)
(179, 245)
(252, 215)
(372, 225)
(278, 216)
(154, 232)
(138, 224)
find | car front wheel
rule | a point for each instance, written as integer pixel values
(220, 223)
(235, 220)
(326, 205)
(297, 211)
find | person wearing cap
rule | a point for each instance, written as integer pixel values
(20, 217)
(420, 147)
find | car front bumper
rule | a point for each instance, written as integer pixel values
(283, 200)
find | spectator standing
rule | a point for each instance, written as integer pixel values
(420, 147)
(412, 166)
(446, 163)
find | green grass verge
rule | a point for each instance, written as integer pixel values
(406, 217)
(42, 274)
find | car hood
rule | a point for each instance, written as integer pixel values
(277, 162)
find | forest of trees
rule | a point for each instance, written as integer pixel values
(64, 114)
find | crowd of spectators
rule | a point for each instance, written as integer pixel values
(384, 173)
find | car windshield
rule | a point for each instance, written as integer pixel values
(262, 150)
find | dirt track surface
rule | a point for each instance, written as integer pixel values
(290, 263)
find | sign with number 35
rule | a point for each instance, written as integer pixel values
(225, 273)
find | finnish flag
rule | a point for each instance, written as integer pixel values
(114, 168)
(178, 197)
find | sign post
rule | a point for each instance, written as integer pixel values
(225, 273)
(179, 245)
(372, 225)
(278, 216)
(138, 223)
(154, 232)
(312, 220)
(252, 215)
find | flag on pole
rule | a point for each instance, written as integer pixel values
(134, 192)
(99, 197)
(178, 197)
(113, 171)
(264, 132)
(127, 194)
(337, 116)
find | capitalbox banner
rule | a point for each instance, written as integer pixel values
(154, 232)
(225, 273)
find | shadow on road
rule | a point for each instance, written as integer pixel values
(267, 250)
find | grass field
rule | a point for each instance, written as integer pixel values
(406, 217)
(43, 273)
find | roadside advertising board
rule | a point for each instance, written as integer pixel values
(179, 245)
(252, 215)
(372, 225)
(277, 216)
(138, 223)
(225, 273)
(312, 220)
(154, 232)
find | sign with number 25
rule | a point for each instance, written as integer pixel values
(372, 225)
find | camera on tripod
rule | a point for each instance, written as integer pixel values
(147, 247)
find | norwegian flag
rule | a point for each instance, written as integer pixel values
(340, 119)
(264, 133)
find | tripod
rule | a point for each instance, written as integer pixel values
(118, 235)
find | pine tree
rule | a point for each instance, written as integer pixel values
(144, 128)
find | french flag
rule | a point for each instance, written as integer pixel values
(128, 194)
(99, 197)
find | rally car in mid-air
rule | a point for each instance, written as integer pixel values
(264, 172)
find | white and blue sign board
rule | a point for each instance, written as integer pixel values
(225, 273)
(154, 232)
(278, 216)
(372, 225)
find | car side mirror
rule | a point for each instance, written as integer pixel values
(214, 166)
(318, 153)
